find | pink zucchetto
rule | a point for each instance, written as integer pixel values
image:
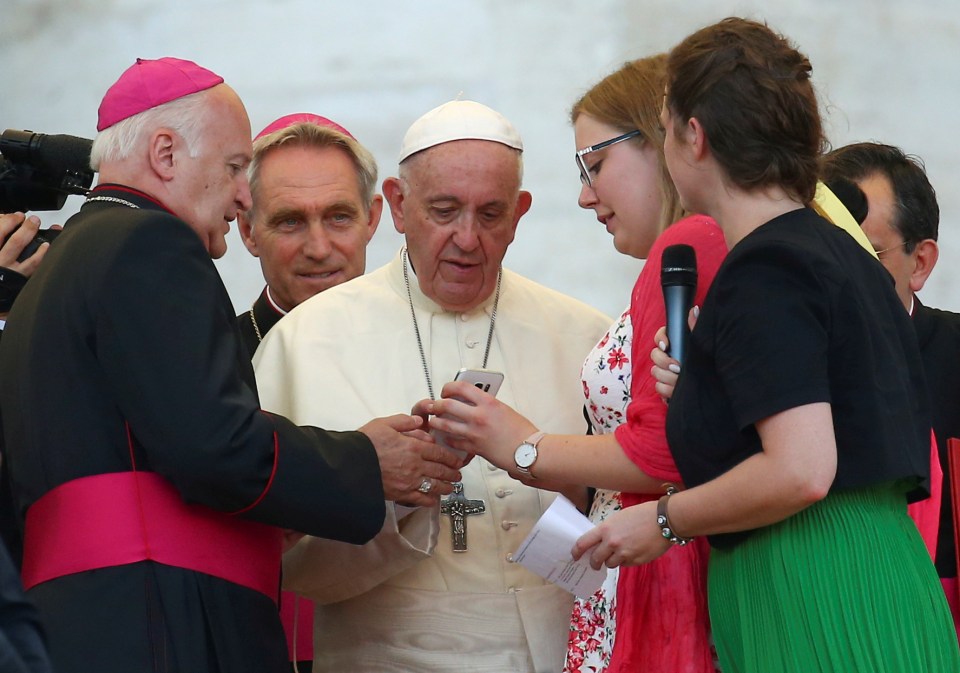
(149, 83)
(302, 118)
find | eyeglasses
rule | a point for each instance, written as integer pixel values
(582, 165)
(892, 247)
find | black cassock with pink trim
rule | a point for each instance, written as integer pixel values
(149, 479)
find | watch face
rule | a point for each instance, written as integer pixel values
(525, 455)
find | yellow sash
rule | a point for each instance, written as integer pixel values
(830, 207)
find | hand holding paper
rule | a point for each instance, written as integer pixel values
(546, 551)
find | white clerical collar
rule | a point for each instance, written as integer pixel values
(912, 305)
(273, 304)
(3, 323)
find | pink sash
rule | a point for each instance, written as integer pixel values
(952, 591)
(125, 517)
(296, 615)
(926, 513)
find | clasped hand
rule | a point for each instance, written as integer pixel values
(410, 459)
(472, 421)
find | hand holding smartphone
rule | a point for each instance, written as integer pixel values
(486, 380)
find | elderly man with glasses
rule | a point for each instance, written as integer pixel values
(902, 224)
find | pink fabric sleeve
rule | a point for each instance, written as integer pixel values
(643, 437)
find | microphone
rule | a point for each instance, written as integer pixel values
(678, 277)
(53, 153)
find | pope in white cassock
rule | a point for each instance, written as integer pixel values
(418, 597)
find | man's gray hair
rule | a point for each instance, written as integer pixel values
(308, 134)
(185, 116)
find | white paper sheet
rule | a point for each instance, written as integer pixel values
(546, 551)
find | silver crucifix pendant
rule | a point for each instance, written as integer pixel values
(458, 508)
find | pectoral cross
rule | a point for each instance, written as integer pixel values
(458, 508)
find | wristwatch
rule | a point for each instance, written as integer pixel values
(526, 454)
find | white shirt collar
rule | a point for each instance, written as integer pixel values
(273, 303)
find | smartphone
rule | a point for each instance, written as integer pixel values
(486, 380)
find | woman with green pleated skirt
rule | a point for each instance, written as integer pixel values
(841, 586)
(800, 423)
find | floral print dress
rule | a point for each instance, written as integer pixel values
(606, 377)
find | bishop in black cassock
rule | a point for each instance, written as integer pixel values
(150, 480)
(127, 328)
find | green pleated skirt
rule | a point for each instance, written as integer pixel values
(845, 585)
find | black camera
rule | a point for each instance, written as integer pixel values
(39, 171)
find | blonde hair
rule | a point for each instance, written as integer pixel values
(630, 99)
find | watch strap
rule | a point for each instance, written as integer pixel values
(533, 440)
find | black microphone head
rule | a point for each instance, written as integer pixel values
(63, 152)
(678, 265)
(49, 153)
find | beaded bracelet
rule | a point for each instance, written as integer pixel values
(668, 533)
